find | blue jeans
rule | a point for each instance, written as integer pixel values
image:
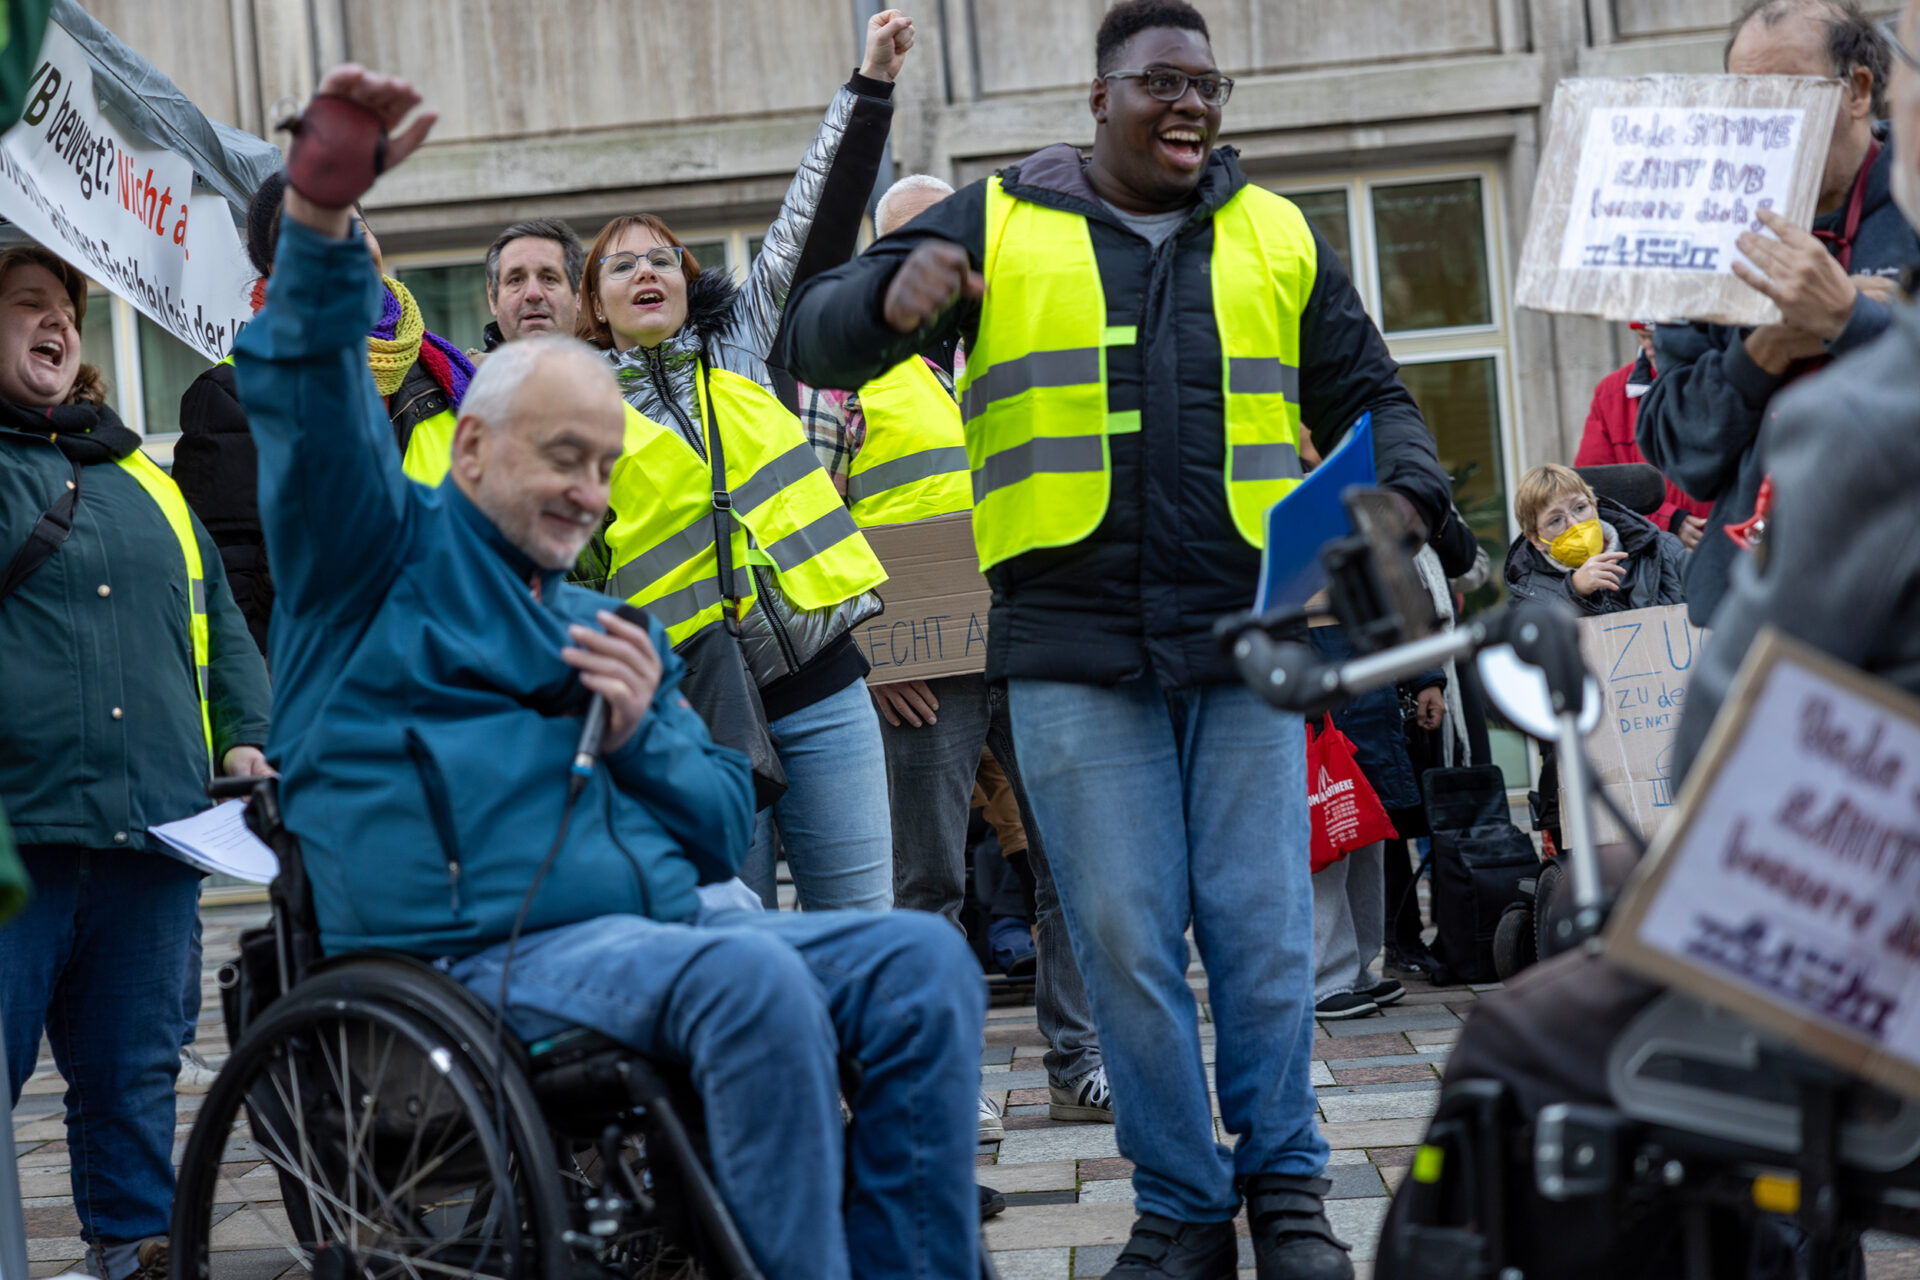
(833, 818)
(761, 1004)
(930, 773)
(1163, 808)
(97, 960)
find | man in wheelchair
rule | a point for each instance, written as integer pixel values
(1838, 569)
(433, 667)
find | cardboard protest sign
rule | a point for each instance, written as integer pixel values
(935, 622)
(1787, 887)
(1648, 181)
(1642, 659)
(125, 213)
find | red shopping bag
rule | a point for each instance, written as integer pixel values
(1342, 808)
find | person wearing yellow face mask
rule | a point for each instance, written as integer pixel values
(1589, 551)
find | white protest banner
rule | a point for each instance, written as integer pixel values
(1787, 888)
(1642, 659)
(123, 212)
(1648, 182)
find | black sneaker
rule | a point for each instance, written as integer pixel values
(1416, 960)
(1292, 1239)
(1386, 993)
(1348, 1004)
(1162, 1249)
(991, 1202)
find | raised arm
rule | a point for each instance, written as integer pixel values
(818, 225)
(336, 509)
(839, 334)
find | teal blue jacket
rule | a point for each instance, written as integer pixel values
(426, 720)
(103, 628)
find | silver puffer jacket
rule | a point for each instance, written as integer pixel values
(736, 327)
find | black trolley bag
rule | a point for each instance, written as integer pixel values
(1479, 861)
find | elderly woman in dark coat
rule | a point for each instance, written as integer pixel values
(126, 676)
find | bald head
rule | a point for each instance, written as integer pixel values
(540, 429)
(906, 200)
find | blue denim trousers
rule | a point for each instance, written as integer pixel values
(760, 1005)
(97, 961)
(833, 818)
(930, 773)
(1163, 808)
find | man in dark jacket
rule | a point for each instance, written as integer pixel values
(1166, 792)
(1700, 421)
(436, 668)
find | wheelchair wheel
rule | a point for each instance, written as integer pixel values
(362, 1114)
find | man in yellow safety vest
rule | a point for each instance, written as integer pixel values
(897, 452)
(1146, 333)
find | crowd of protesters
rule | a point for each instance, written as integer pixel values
(397, 558)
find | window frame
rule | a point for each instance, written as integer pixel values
(1428, 346)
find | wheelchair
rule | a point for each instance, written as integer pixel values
(1721, 1151)
(372, 1122)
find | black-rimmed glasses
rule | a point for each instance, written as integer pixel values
(665, 258)
(1169, 85)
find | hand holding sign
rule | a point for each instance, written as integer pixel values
(1809, 286)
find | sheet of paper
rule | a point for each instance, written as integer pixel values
(1665, 188)
(219, 840)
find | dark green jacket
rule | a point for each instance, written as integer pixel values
(14, 886)
(100, 628)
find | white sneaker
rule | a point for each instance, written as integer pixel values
(195, 1075)
(1087, 1099)
(991, 1128)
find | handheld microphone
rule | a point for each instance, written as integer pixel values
(588, 749)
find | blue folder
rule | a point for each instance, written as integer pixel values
(1306, 520)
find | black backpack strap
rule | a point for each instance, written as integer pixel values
(722, 504)
(53, 528)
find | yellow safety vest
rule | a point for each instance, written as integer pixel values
(661, 542)
(913, 465)
(1034, 394)
(430, 448)
(166, 495)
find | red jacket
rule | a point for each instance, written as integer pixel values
(1608, 438)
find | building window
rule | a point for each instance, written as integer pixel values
(451, 289)
(1420, 247)
(147, 368)
(1423, 248)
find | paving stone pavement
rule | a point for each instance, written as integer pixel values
(1070, 1203)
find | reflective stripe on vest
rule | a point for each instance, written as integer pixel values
(430, 448)
(913, 464)
(661, 539)
(166, 495)
(1034, 392)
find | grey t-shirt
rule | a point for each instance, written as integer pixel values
(1154, 226)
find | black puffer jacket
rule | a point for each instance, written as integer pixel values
(1656, 567)
(215, 465)
(1141, 593)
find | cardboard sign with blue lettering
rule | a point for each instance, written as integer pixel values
(1643, 659)
(935, 621)
(1301, 524)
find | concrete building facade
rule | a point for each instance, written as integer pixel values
(1408, 130)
